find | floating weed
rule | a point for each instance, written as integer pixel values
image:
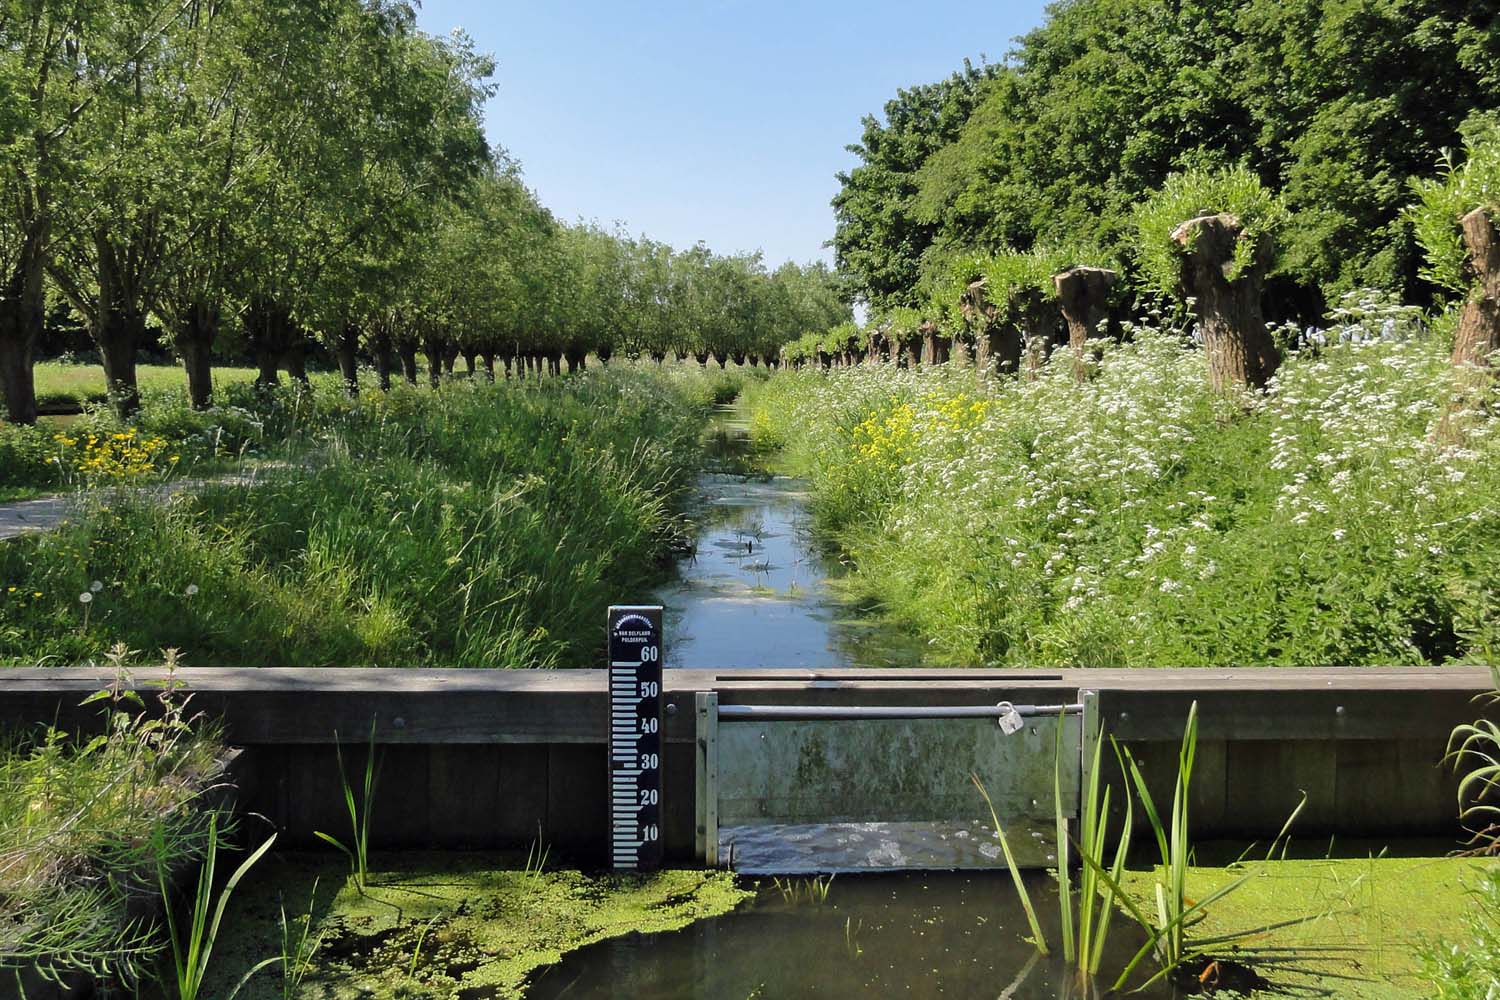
(804, 891)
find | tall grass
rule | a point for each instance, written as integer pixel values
(1142, 519)
(474, 526)
(84, 825)
(358, 848)
(192, 943)
(1084, 918)
(1166, 919)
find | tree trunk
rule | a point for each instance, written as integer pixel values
(1083, 294)
(406, 350)
(1477, 338)
(269, 329)
(702, 357)
(380, 346)
(433, 348)
(488, 360)
(1238, 347)
(658, 356)
(575, 361)
(1041, 320)
(295, 361)
(268, 368)
(118, 333)
(604, 352)
(471, 359)
(554, 363)
(348, 348)
(22, 315)
(194, 343)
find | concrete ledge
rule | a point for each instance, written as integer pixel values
(488, 758)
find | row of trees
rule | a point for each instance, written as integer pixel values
(242, 173)
(1209, 237)
(1333, 106)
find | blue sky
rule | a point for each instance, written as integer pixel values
(722, 121)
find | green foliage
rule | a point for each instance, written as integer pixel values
(478, 525)
(358, 848)
(878, 241)
(84, 825)
(1138, 520)
(1442, 201)
(1100, 104)
(1195, 193)
(192, 944)
(1474, 749)
(1465, 965)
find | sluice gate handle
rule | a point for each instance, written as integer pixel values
(785, 713)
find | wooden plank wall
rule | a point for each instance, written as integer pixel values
(490, 759)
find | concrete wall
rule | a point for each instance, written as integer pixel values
(489, 759)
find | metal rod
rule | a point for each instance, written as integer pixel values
(733, 713)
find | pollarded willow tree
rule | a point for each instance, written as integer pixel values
(1210, 236)
(1457, 223)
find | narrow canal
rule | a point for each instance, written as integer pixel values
(941, 920)
(758, 591)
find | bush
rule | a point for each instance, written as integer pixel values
(84, 824)
(1142, 519)
(1441, 202)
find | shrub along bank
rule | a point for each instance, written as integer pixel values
(473, 526)
(1140, 517)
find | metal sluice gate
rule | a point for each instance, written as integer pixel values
(783, 770)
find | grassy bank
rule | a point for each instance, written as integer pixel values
(477, 525)
(85, 825)
(1139, 519)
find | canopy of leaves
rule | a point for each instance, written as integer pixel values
(1195, 193)
(1463, 187)
(1333, 104)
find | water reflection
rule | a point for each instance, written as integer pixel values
(937, 935)
(755, 592)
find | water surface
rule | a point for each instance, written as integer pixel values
(934, 935)
(756, 592)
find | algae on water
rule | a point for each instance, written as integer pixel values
(446, 926)
(1350, 929)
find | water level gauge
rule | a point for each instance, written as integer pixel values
(635, 661)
